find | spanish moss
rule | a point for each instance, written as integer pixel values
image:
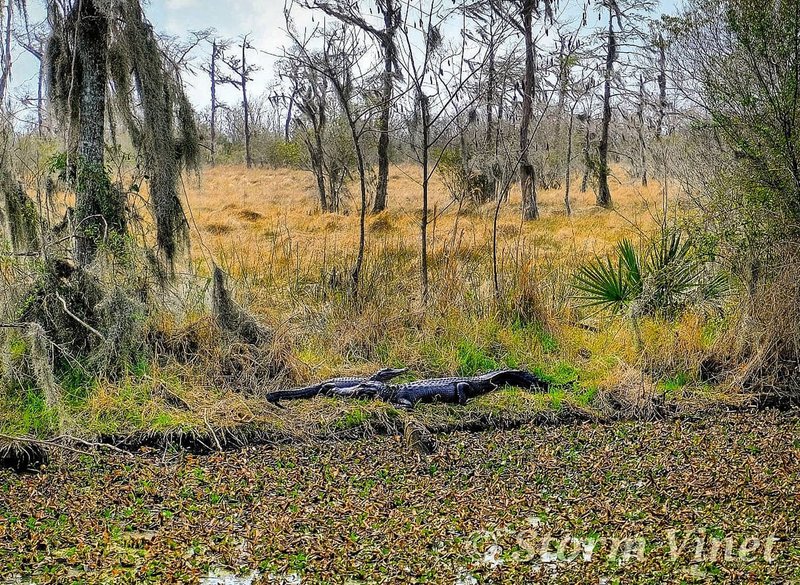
(110, 44)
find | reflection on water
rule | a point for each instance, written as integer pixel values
(219, 577)
(215, 577)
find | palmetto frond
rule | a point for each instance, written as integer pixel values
(663, 278)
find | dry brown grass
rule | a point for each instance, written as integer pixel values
(292, 265)
(289, 266)
(255, 211)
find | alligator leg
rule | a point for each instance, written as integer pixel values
(462, 392)
(402, 402)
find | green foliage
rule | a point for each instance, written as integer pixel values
(674, 384)
(746, 59)
(278, 153)
(31, 414)
(164, 421)
(353, 419)
(17, 348)
(663, 278)
(548, 341)
(559, 374)
(587, 396)
(76, 384)
(473, 359)
(608, 285)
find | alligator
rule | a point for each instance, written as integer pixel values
(456, 390)
(334, 386)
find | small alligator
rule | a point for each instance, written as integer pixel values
(455, 390)
(334, 386)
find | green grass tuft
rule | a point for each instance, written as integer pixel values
(474, 360)
(674, 384)
(558, 374)
(354, 418)
(31, 415)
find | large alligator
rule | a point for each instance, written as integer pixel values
(334, 386)
(456, 390)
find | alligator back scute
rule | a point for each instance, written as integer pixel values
(432, 383)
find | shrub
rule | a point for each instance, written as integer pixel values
(663, 278)
(464, 180)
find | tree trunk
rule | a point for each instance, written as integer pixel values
(603, 192)
(503, 195)
(548, 179)
(362, 179)
(426, 120)
(381, 192)
(213, 75)
(662, 86)
(490, 83)
(640, 131)
(318, 164)
(490, 189)
(319, 174)
(40, 98)
(568, 171)
(289, 112)
(587, 156)
(5, 74)
(98, 208)
(246, 107)
(527, 173)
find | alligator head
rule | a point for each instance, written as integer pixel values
(387, 374)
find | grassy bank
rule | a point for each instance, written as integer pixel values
(289, 266)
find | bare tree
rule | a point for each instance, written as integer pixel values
(5, 48)
(640, 129)
(603, 191)
(340, 63)
(523, 15)
(661, 48)
(622, 11)
(489, 31)
(240, 74)
(310, 90)
(438, 95)
(576, 90)
(288, 99)
(588, 161)
(350, 13)
(34, 41)
(218, 48)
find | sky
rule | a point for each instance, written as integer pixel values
(263, 19)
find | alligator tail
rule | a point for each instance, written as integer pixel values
(520, 379)
(294, 394)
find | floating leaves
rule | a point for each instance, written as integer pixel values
(367, 510)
